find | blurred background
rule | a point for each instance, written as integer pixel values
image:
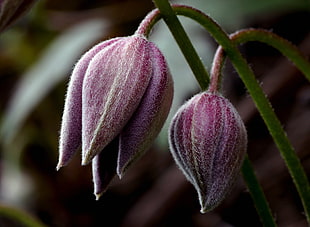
(37, 55)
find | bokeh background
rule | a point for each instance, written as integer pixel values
(37, 55)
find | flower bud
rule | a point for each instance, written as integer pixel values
(150, 116)
(71, 128)
(114, 84)
(118, 98)
(208, 141)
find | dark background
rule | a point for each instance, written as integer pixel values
(154, 192)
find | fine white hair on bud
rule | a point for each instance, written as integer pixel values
(208, 141)
(118, 99)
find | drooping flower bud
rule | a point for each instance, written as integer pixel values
(11, 10)
(114, 84)
(121, 91)
(150, 116)
(71, 129)
(208, 141)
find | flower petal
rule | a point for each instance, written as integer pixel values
(71, 128)
(150, 116)
(115, 82)
(104, 167)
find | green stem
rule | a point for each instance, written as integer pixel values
(148, 22)
(288, 50)
(216, 69)
(247, 169)
(19, 216)
(285, 47)
(264, 36)
(257, 194)
(262, 103)
(184, 43)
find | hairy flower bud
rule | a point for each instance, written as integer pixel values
(11, 10)
(114, 84)
(71, 129)
(208, 142)
(118, 98)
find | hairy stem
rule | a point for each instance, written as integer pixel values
(167, 12)
(216, 69)
(148, 22)
(262, 103)
(285, 47)
(184, 43)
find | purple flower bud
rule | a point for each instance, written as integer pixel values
(71, 128)
(148, 119)
(104, 167)
(120, 90)
(114, 84)
(11, 10)
(208, 141)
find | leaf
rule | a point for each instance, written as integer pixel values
(53, 67)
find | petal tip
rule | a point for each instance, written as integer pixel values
(86, 159)
(120, 170)
(61, 163)
(84, 162)
(203, 210)
(98, 195)
(58, 167)
(120, 174)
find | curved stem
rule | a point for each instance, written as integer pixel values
(247, 169)
(282, 45)
(216, 69)
(247, 35)
(285, 47)
(19, 216)
(184, 43)
(262, 103)
(148, 22)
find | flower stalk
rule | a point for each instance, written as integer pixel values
(292, 53)
(118, 99)
(213, 28)
(262, 103)
(183, 41)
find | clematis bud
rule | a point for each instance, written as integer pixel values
(208, 142)
(121, 91)
(11, 10)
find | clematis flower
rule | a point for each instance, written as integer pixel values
(208, 141)
(11, 10)
(118, 98)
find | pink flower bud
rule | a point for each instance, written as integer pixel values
(120, 90)
(11, 10)
(114, 84)
(208, 141)
(148, 119)
(71, 129)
